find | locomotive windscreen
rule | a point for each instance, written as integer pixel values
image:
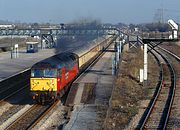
(44, 73)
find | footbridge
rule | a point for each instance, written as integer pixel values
(50, 34)
(59, 31)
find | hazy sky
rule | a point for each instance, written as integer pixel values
(111, 11)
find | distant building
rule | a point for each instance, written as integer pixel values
(32, 47)
(136, 29)
(7, 26)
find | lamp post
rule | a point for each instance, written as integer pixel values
(11, 48)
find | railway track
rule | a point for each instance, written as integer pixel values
(7, 94)
(174, 119)
(158, 111)
(31, 117)
(170, 53)
(14, 84)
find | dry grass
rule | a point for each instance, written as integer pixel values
(128, 92)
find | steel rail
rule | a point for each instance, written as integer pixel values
(151, 105)
(172, 54)
(169, 52)
(43, 115)
(30, 125)
(19, 118)
(169, 101)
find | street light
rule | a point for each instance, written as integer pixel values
(11, 48)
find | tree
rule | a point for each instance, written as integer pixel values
(35, 25)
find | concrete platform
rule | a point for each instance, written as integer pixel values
(87, 116)
(9, 67)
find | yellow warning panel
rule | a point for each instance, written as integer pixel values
(43, 84)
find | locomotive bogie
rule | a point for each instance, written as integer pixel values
(43, 97)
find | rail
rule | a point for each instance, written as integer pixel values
(172, 54)
(150, 107)
(31, 117)
(13, 84)
(168, 105)
(169, 102)
(43, 115)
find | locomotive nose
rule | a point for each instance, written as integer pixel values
(43, 84)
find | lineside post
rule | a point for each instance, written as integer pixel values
(145, 64)
(113, 64)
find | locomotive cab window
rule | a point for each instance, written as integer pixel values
(50, 73)
(44, 73)
(37, 73)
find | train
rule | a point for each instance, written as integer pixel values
(51, 77)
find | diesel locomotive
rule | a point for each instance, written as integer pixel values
(51, 77)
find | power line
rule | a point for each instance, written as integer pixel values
(162, 15)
